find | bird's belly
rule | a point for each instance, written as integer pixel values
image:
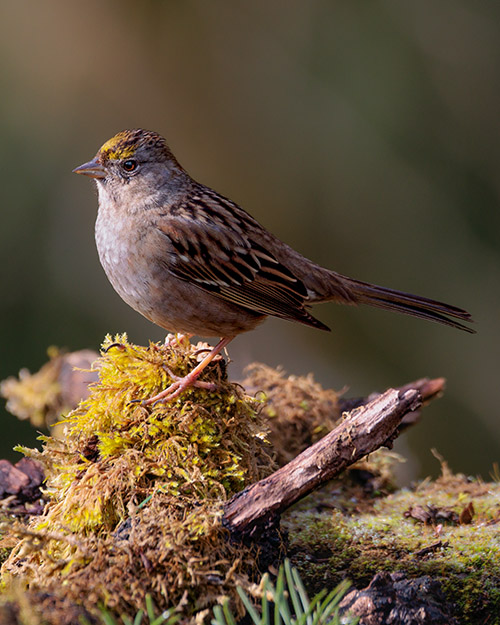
(146, 285)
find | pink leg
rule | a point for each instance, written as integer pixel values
(191, 379)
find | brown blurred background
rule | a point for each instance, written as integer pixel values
(366, 135)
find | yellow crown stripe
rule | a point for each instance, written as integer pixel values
(115, 149)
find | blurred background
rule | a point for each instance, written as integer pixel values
(366, 135)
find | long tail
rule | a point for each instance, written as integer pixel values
(414, 305)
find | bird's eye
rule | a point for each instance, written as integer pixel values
(129, 165)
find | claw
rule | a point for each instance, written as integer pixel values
(202, 350)
(118, 345)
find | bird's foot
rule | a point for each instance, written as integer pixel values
(180, 384)
(174, 340)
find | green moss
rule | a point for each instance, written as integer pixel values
(465, 557)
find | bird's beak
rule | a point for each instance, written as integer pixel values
(93, 169)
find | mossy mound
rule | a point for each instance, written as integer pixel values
(135, 494)
(446, 529)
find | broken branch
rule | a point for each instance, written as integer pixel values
(361, 432)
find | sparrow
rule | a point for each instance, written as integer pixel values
(194, 262)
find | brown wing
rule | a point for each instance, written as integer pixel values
(216, 251)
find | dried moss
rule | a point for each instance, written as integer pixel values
(299, 410)
(136, 494)
(43, 396)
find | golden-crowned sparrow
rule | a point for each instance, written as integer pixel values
(194, 262)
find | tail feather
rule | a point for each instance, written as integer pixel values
(414, 305)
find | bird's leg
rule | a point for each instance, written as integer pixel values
(180, 384)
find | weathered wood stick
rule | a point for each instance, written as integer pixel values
(361, 432)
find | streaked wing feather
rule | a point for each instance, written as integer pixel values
(230, 265)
